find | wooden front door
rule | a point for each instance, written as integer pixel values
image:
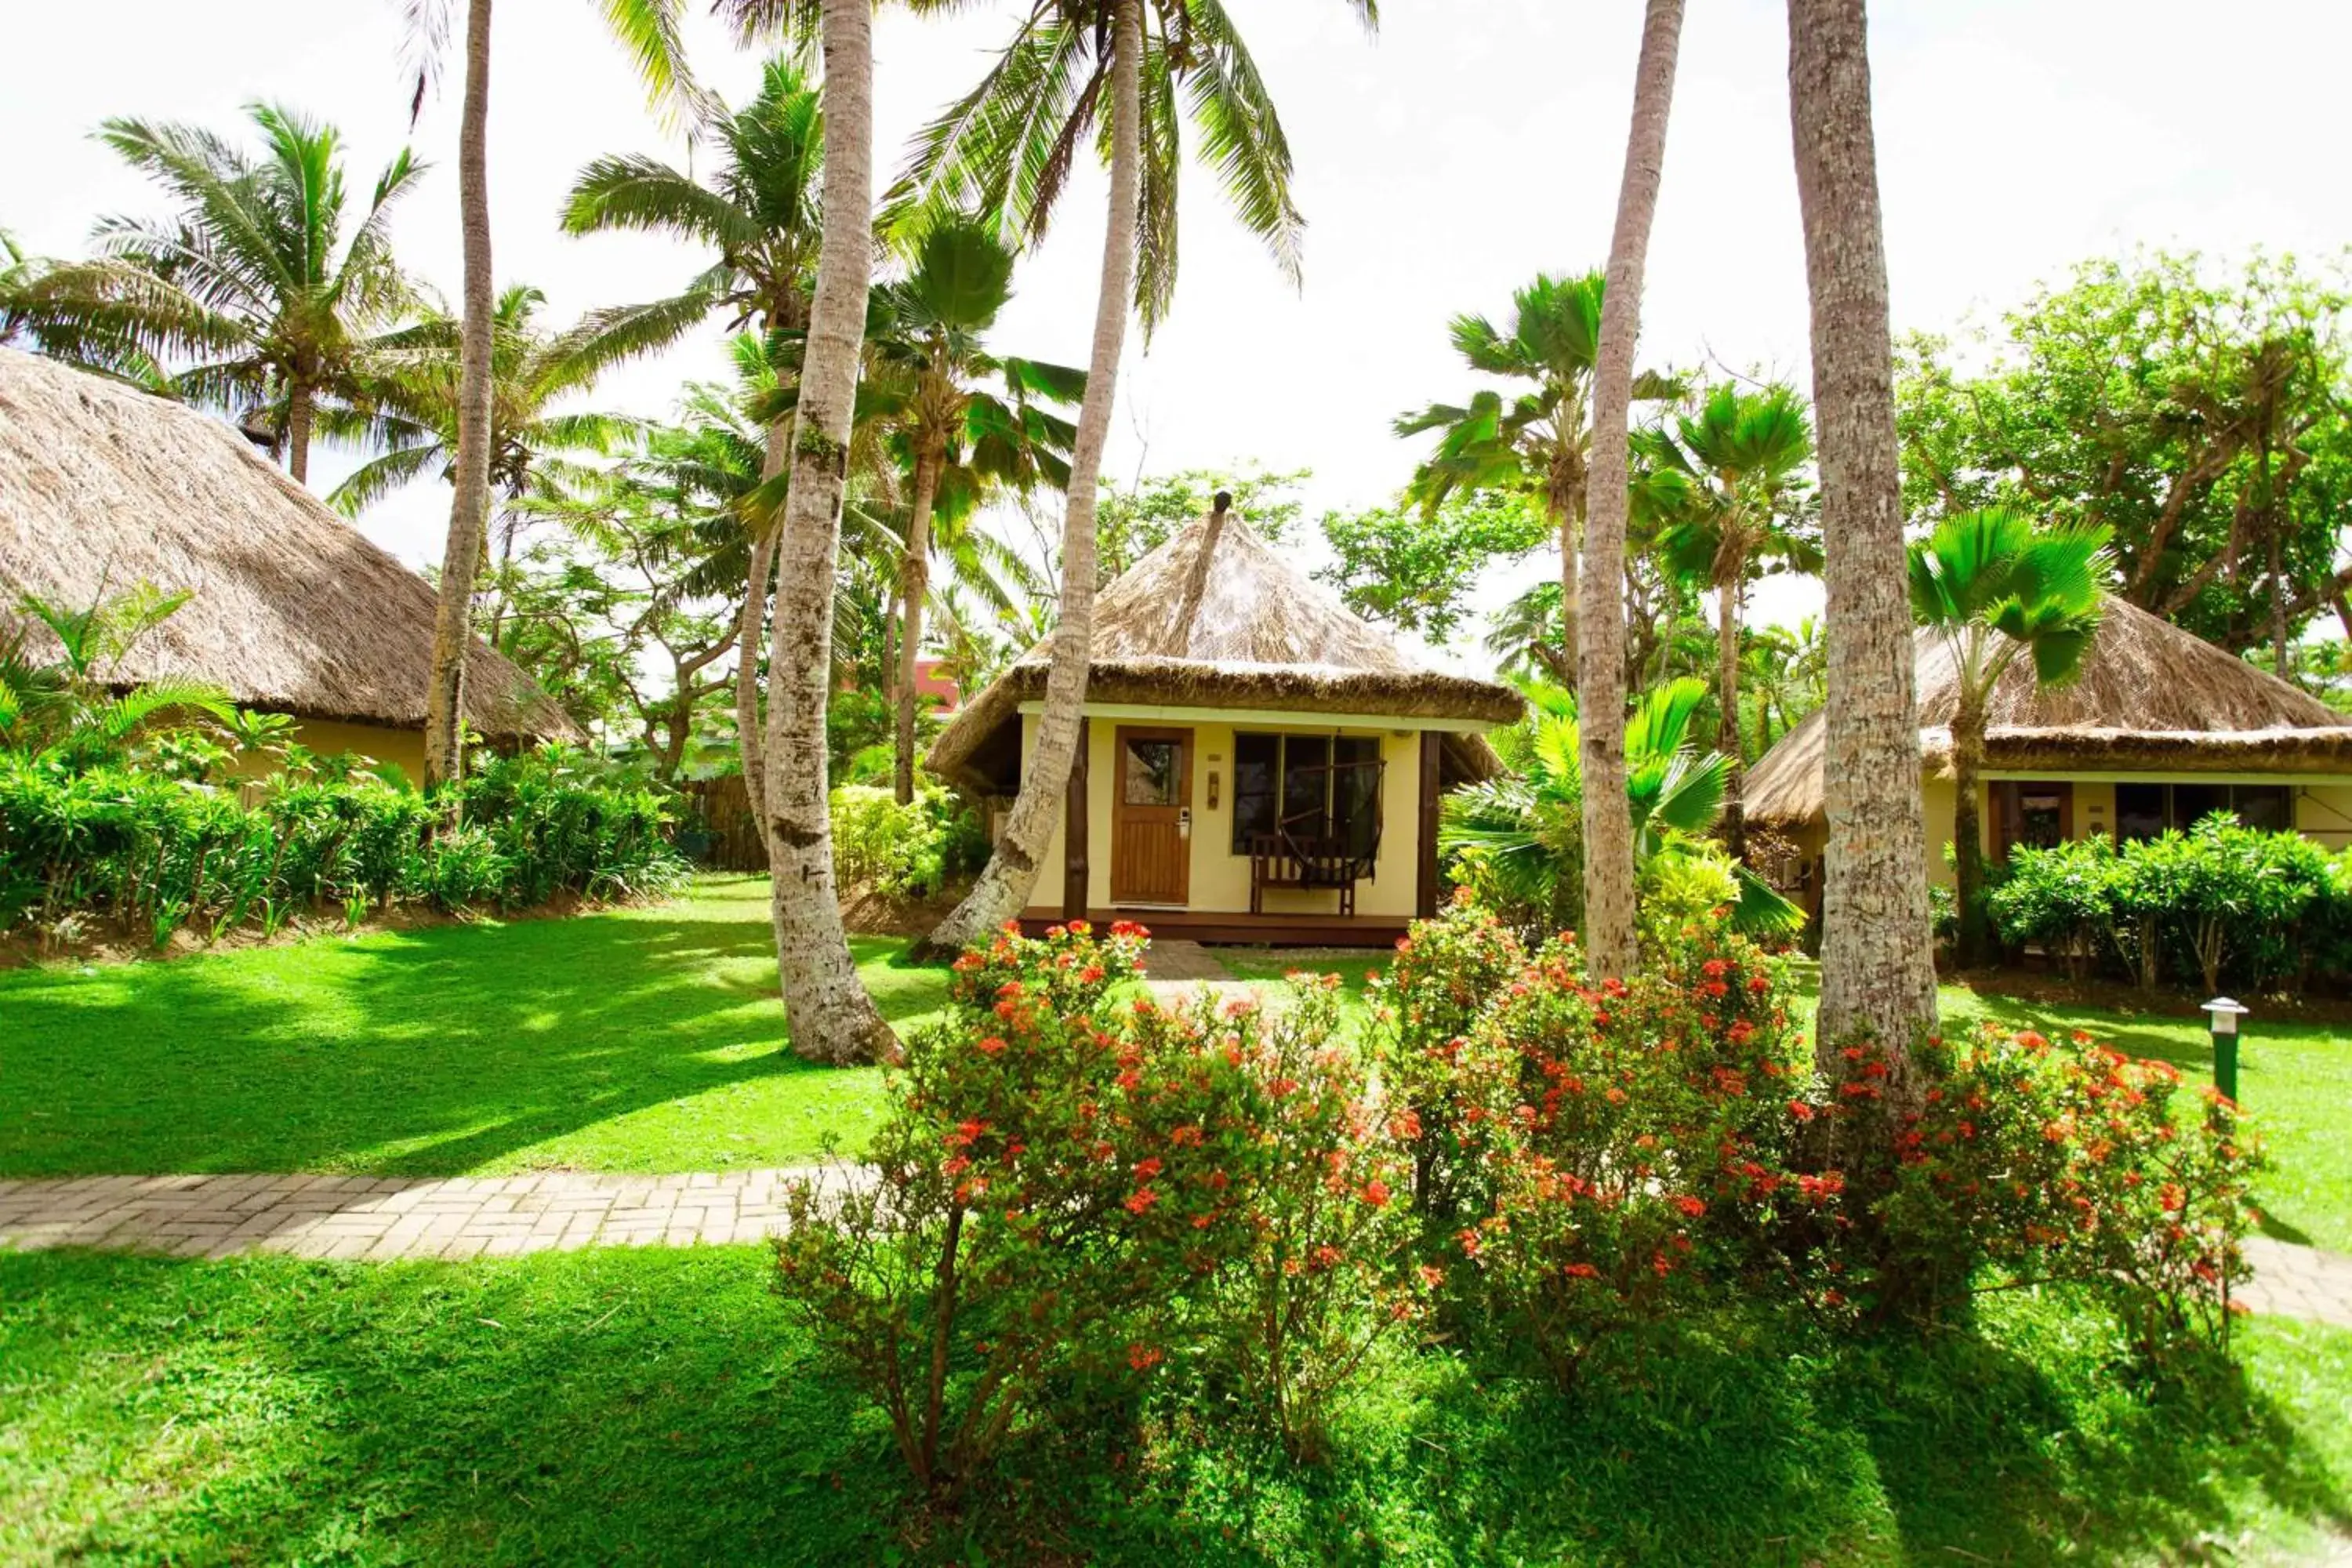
(1152, 818)
(2036, 812)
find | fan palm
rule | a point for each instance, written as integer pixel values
(958, 439)
(1008, 146)
(1736, 468)
(1534, 442)
(1993, 587)
(1528, 826)
(254, 278)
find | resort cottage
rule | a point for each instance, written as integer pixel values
(2160, 729)
(1259, 764)
(104, 486)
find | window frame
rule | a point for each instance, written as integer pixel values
(2169, 812)
(1333, 743)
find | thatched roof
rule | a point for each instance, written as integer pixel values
(1214, 619)
(2150, 699)
(103, 487)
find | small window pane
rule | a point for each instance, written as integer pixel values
(2270, 808)
(1258, 772)
(2139, 810)
(1355, 794)
(2041, 815)
(1306, 786)
(2193, 803)
(1153, 771)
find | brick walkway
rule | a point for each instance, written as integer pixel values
(468, 1217)
(362, 1217)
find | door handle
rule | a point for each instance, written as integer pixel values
(1184, 823)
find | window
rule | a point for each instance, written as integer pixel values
(2145, 810)
(1310, 786)
(1153, 777)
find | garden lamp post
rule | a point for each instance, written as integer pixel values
(2224, 1013)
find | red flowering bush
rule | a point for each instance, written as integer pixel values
(1448, 972)
(1071, 1191)
(1629, 1139)
(1314, 1165)
(2029, 1160)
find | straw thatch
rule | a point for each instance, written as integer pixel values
(2150, 699)
(1214, 619)
(103, 487)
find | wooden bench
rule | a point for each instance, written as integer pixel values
(1290, 860)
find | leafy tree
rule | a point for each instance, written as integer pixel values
(72, 710)
(1414, 569)
(1733, 471)
(1525, 827)
(1782, 666)
(955, 437)
(260, 276)
(1007, 146)
(1132, 523)
(2202, 418)
(1993, 587)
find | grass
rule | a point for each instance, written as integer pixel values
(657, 1406)
(2296, 1078)
(642, 1040)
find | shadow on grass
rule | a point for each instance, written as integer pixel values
(649, 1404)
(429, 1052)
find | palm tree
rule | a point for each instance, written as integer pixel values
(415, 375)
(253, 278)
(759, 211)
(1008, 146)
(1878, 976)
(1600, 654)
(958, 440)
(66, 710)
(1537, 443)
(648, 29)
(1783, 666)
(1992, 587)
(1739, 458)
(1529, 825)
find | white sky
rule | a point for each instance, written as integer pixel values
(1471, 144)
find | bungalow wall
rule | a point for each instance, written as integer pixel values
(2323, 811)
(404, 749)
(1220, 877)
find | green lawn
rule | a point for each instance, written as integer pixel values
(642, 1039)
(657, 1406)
(2296, 1078)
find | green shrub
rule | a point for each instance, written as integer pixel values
(126, 846)
(903, 852)
(2220, 904)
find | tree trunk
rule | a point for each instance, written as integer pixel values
(1967, 832)
(1726, 725)
(1878, 975)
(1004, 885)
(297, 434)
(914, 582)
(1609, 935)
(470, 505)
(751, 630)
(831, 1017)
(1569, 546)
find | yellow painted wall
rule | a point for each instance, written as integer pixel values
(1220, 877)
(404, 749)
(2322, 812)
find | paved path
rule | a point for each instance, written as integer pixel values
(1176, 969)
(467, 1217)
(362, 1217)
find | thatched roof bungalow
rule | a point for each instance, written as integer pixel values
(1260, 764)
(2160, 730)
(103, 487)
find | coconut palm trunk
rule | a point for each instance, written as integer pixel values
(1004, 885)
(1727, 615)
(831, 1017)
(298, 409)
(1967, 829)
(751, 630)
(470, 504)
(1877, 974)
(914, 582)
(1571, 521)
(1609, 932)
